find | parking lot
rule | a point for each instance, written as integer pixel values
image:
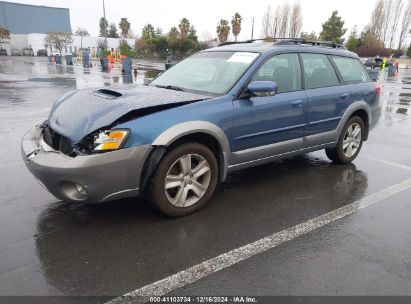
(362, 246)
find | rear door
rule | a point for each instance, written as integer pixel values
(327, 98)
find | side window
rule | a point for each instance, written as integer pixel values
(283, 69)
(318, 71)
(351, 69)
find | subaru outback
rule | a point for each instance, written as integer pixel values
(222, 109)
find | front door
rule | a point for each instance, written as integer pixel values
(265, 121)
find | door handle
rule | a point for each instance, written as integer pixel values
(297, 103)
(344, 95)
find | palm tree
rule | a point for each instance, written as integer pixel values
(184, 27)
(124, 26)
(82, 32)
(223, 29)
(236, 24)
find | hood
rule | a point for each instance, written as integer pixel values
(81, 112)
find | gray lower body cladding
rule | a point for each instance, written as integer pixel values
(84, 178)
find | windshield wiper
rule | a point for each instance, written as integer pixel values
(170, 87)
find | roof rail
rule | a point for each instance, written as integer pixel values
(299, 41)
(240, 42)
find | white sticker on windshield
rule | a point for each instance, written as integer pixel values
(242, 57)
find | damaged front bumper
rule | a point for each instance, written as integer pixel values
(84, 178)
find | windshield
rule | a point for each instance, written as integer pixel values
(207, 72)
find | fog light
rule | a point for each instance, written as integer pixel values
(81, 189)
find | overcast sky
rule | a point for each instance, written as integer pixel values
(204, 15)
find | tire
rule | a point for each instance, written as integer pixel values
(192, 173)
(341, 153)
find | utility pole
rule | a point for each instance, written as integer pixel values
(105, 27)
(252, 30)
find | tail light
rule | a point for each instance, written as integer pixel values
(377, 88)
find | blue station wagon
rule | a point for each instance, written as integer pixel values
(221, 110)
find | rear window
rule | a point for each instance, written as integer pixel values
(351, 69)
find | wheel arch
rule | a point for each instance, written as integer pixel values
(194, 131)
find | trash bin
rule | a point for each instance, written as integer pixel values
(374, 74)
(51, 58)
(168, 65)
(58, 59)
(391, 71)
(86, 59)
(69, 59)
(104, 64)
(126, 63)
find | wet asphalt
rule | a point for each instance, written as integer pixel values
(48, 247)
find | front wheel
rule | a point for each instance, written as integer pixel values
(350, 142)
(184, 180)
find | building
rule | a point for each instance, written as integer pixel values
(27, 19)
(29, 25)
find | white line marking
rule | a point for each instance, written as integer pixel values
(232, 257)
(389, 163)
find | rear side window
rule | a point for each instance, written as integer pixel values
(284, 69)
(351, 69)
(318, 71)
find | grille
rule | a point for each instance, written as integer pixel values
(56, 141)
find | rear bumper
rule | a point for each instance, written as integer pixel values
(106, 176)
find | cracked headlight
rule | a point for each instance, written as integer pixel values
(110, 140)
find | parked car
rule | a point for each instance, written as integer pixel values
(221, 110)
(27, 51)
(41, 52)
(15, 52)
(3, 52)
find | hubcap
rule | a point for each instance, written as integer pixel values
(187, 180)
(352, 140)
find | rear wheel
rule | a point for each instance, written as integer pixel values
(350, 142)
(184, 180)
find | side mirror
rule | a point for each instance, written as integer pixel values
(262, 88)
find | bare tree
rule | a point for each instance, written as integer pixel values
(59, 40)
(405, 24)
(397, 8)
(296, 20)
(283, 16)
(376, 23)
(386, 19)
(267, 24)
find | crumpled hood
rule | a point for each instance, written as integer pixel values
(81, 112)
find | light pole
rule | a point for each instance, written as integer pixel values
(105, 27)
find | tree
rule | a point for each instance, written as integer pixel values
(192, 33)
(112, 31)
(103, 24)
(4, 34)
(223, 30)
(283, 15)
(236, 25)
(124, 26)
(58, 40)
(333, 29)
(184, 27)
(82, 32)
(409, 51)
(376, 23)
(148, 32)
(405, 24)
(397, 8)
(296, 20)
(309, 36)
(173, 34)
(267, 25)
(387, 16)
(353, 41)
